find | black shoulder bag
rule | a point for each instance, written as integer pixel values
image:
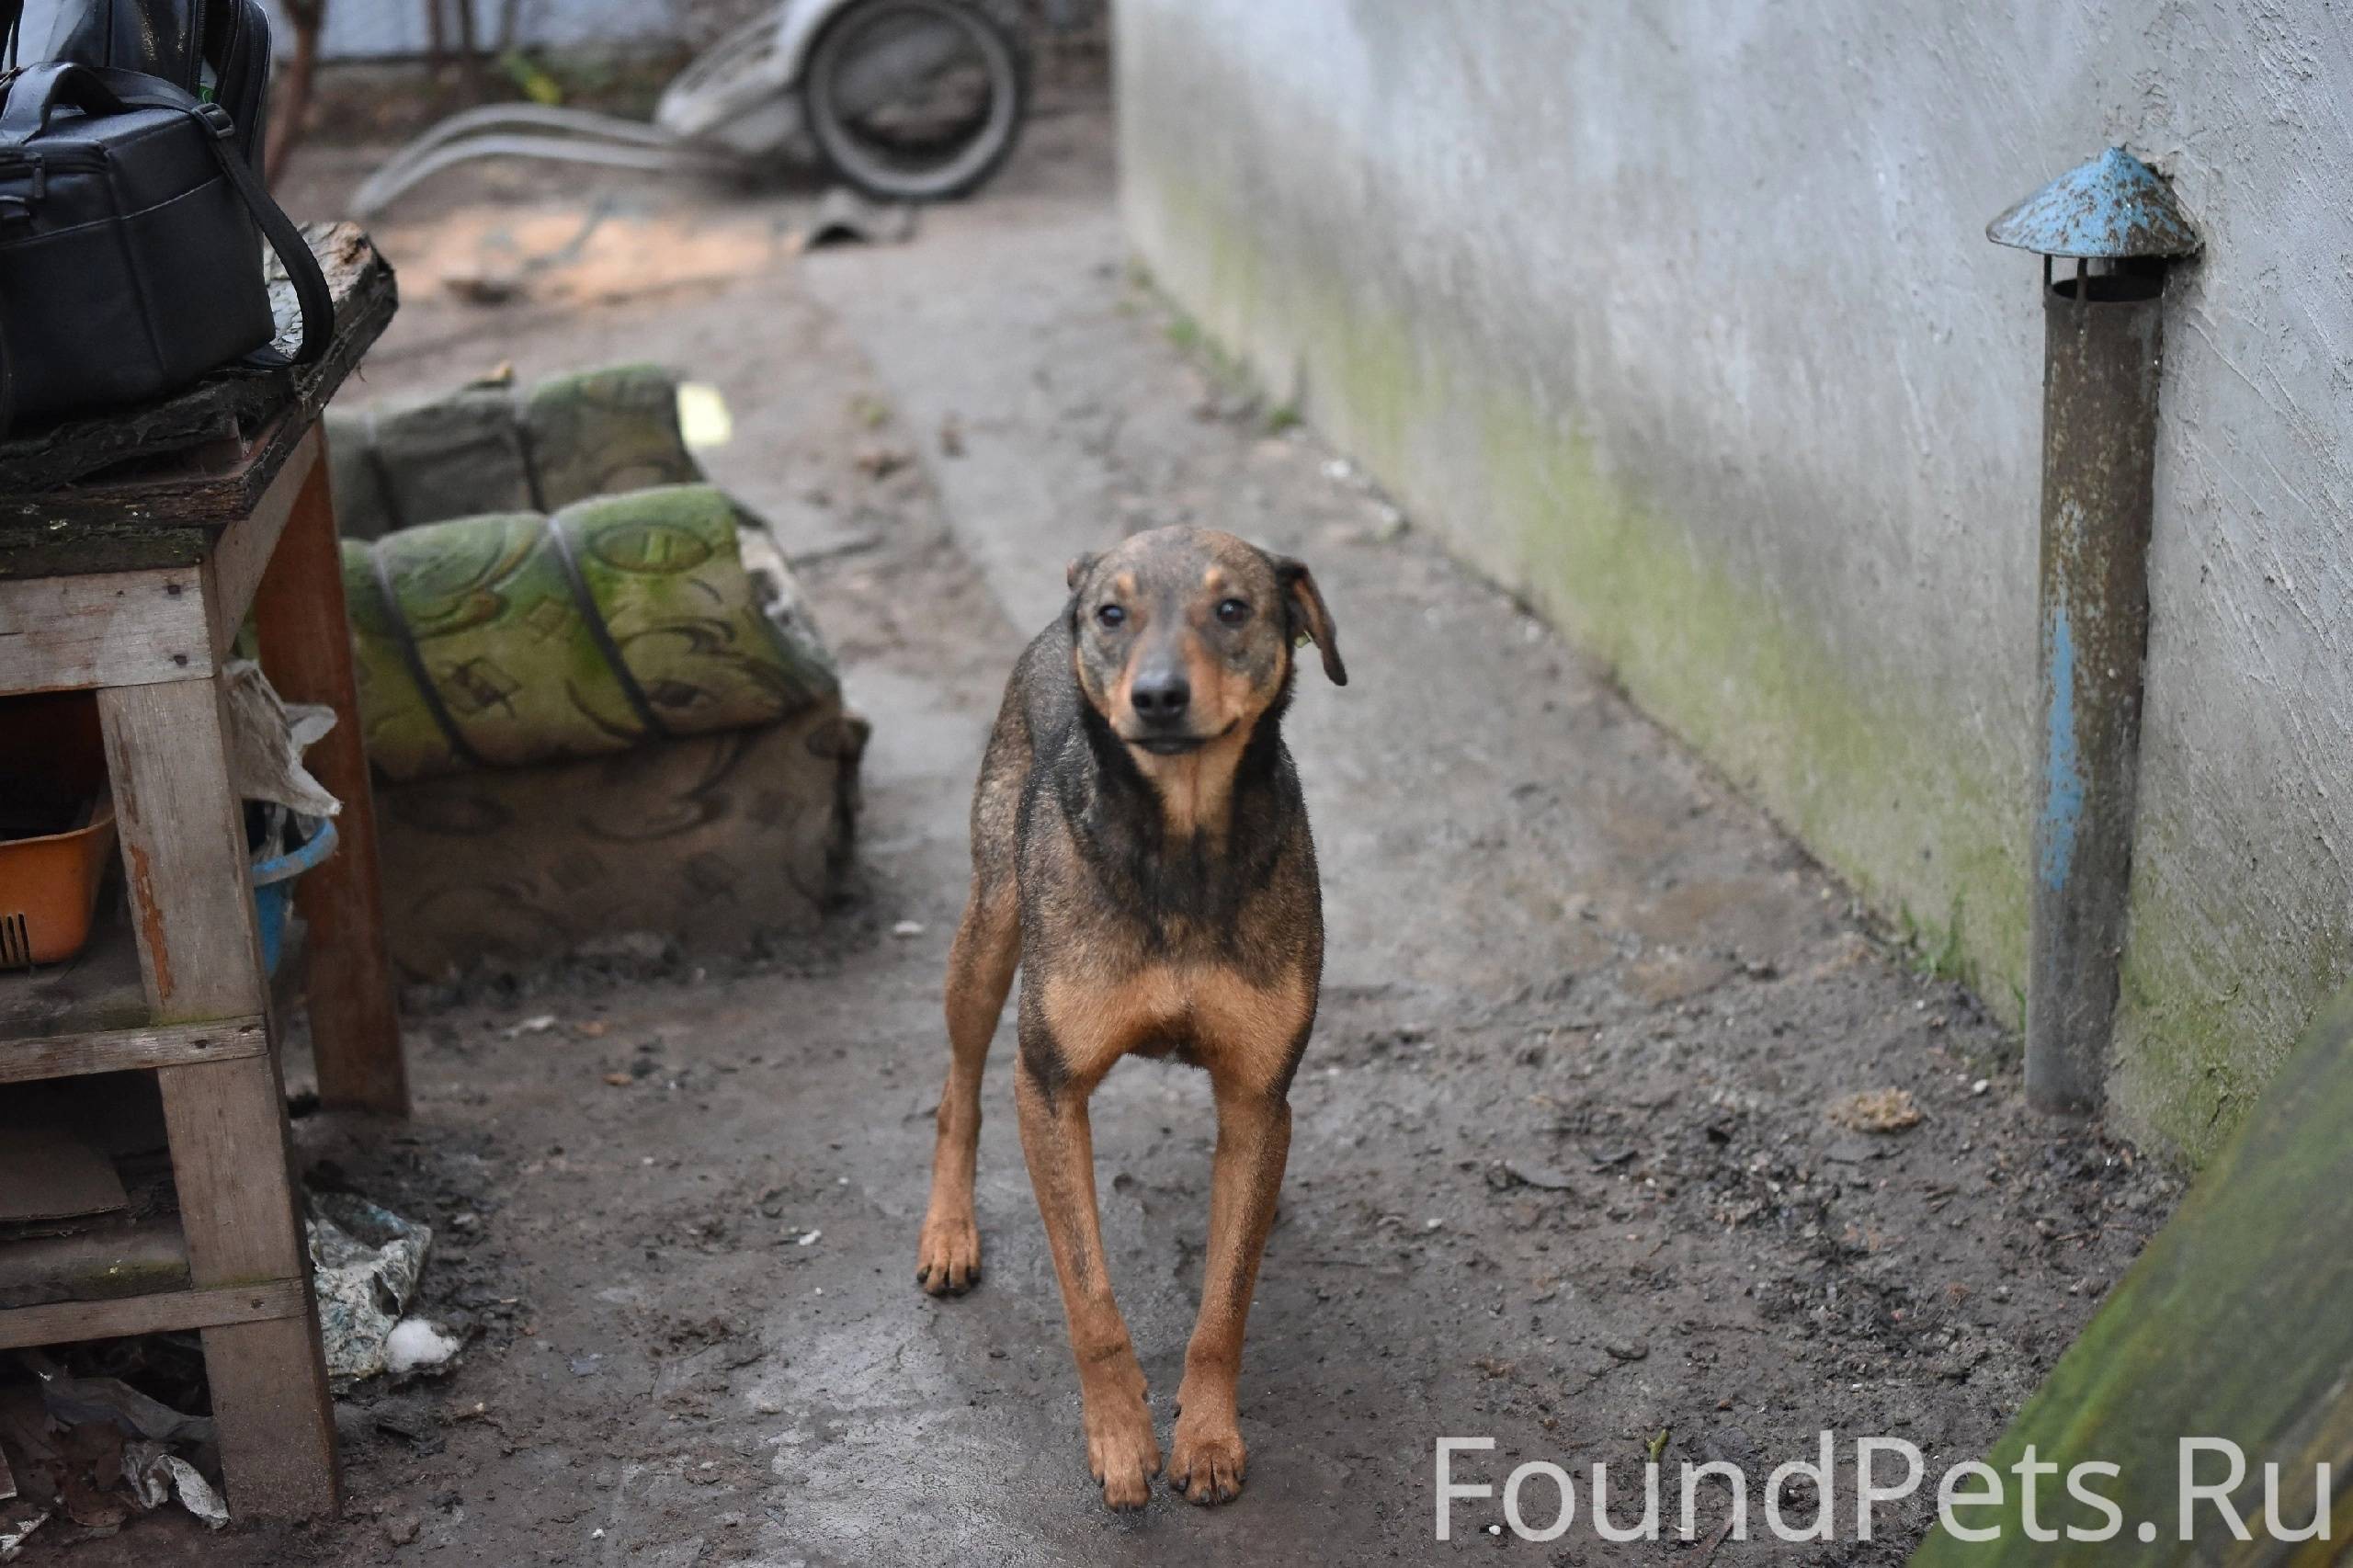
(129, 263)
(215, 48)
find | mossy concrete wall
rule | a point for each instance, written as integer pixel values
(1679, 318)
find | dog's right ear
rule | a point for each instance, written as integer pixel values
(1308, 617)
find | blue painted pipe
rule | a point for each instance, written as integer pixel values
(2102, 346)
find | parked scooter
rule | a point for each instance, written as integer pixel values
(904, 100)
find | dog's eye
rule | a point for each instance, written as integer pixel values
(1110, 618)
(1233, 612)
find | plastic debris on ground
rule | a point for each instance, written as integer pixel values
(365, 1261)
(18, 1516)
(416, 1346)
(81, 1455)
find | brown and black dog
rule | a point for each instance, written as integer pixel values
(1140, 849)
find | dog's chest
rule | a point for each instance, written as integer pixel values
(1207, 1015)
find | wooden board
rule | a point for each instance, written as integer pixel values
(170, 1312)
(36, 1059)
(275, 1423)
(183, 851)
(247, 546)
(232, 1167)
(103, 628)
(2235, 1324)
(184, 854)
(305, 637)
(155, 486)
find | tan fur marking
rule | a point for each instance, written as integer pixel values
(1241, 1032)
(1121, 708)
(1095, 1025)
(1195, 789)
(1244, 1032)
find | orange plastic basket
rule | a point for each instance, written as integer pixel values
(49, 885)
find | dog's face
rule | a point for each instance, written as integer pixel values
(1184, 636)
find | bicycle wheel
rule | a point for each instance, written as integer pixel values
(916, 100)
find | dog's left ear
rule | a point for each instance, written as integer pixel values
(1078, 568)
(1309, 617)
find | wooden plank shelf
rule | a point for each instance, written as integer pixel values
(96, 992)
(90, 1015)
(112, 1257)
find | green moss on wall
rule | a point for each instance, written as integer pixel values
(2208, 1010)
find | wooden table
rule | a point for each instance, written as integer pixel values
(131, 580)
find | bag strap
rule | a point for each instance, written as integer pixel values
(35, 95)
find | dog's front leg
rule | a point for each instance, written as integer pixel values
(979, 972)
(1253, 1142)
(1058, 1143)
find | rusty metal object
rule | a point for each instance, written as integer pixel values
(2103, 342)
(2112, 208)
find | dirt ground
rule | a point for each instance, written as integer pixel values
(1564, 1172)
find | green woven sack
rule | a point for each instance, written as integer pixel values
(506, 641)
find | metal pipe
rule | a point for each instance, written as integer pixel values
(2102, 344)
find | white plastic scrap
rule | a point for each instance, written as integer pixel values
(416, 1346)
(15, 1527)
(17, 1519)
(196, 1493)
(266, 738)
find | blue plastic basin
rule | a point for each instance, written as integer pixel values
(274, 887)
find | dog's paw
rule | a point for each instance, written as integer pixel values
(947, 1260)
(1121, 1452)
(1208, 1459)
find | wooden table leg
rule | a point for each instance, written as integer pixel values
(306, 649)
(184, 853)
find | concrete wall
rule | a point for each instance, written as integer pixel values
(364, 29)
(1679, 315)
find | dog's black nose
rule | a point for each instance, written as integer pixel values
(1161, 697)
